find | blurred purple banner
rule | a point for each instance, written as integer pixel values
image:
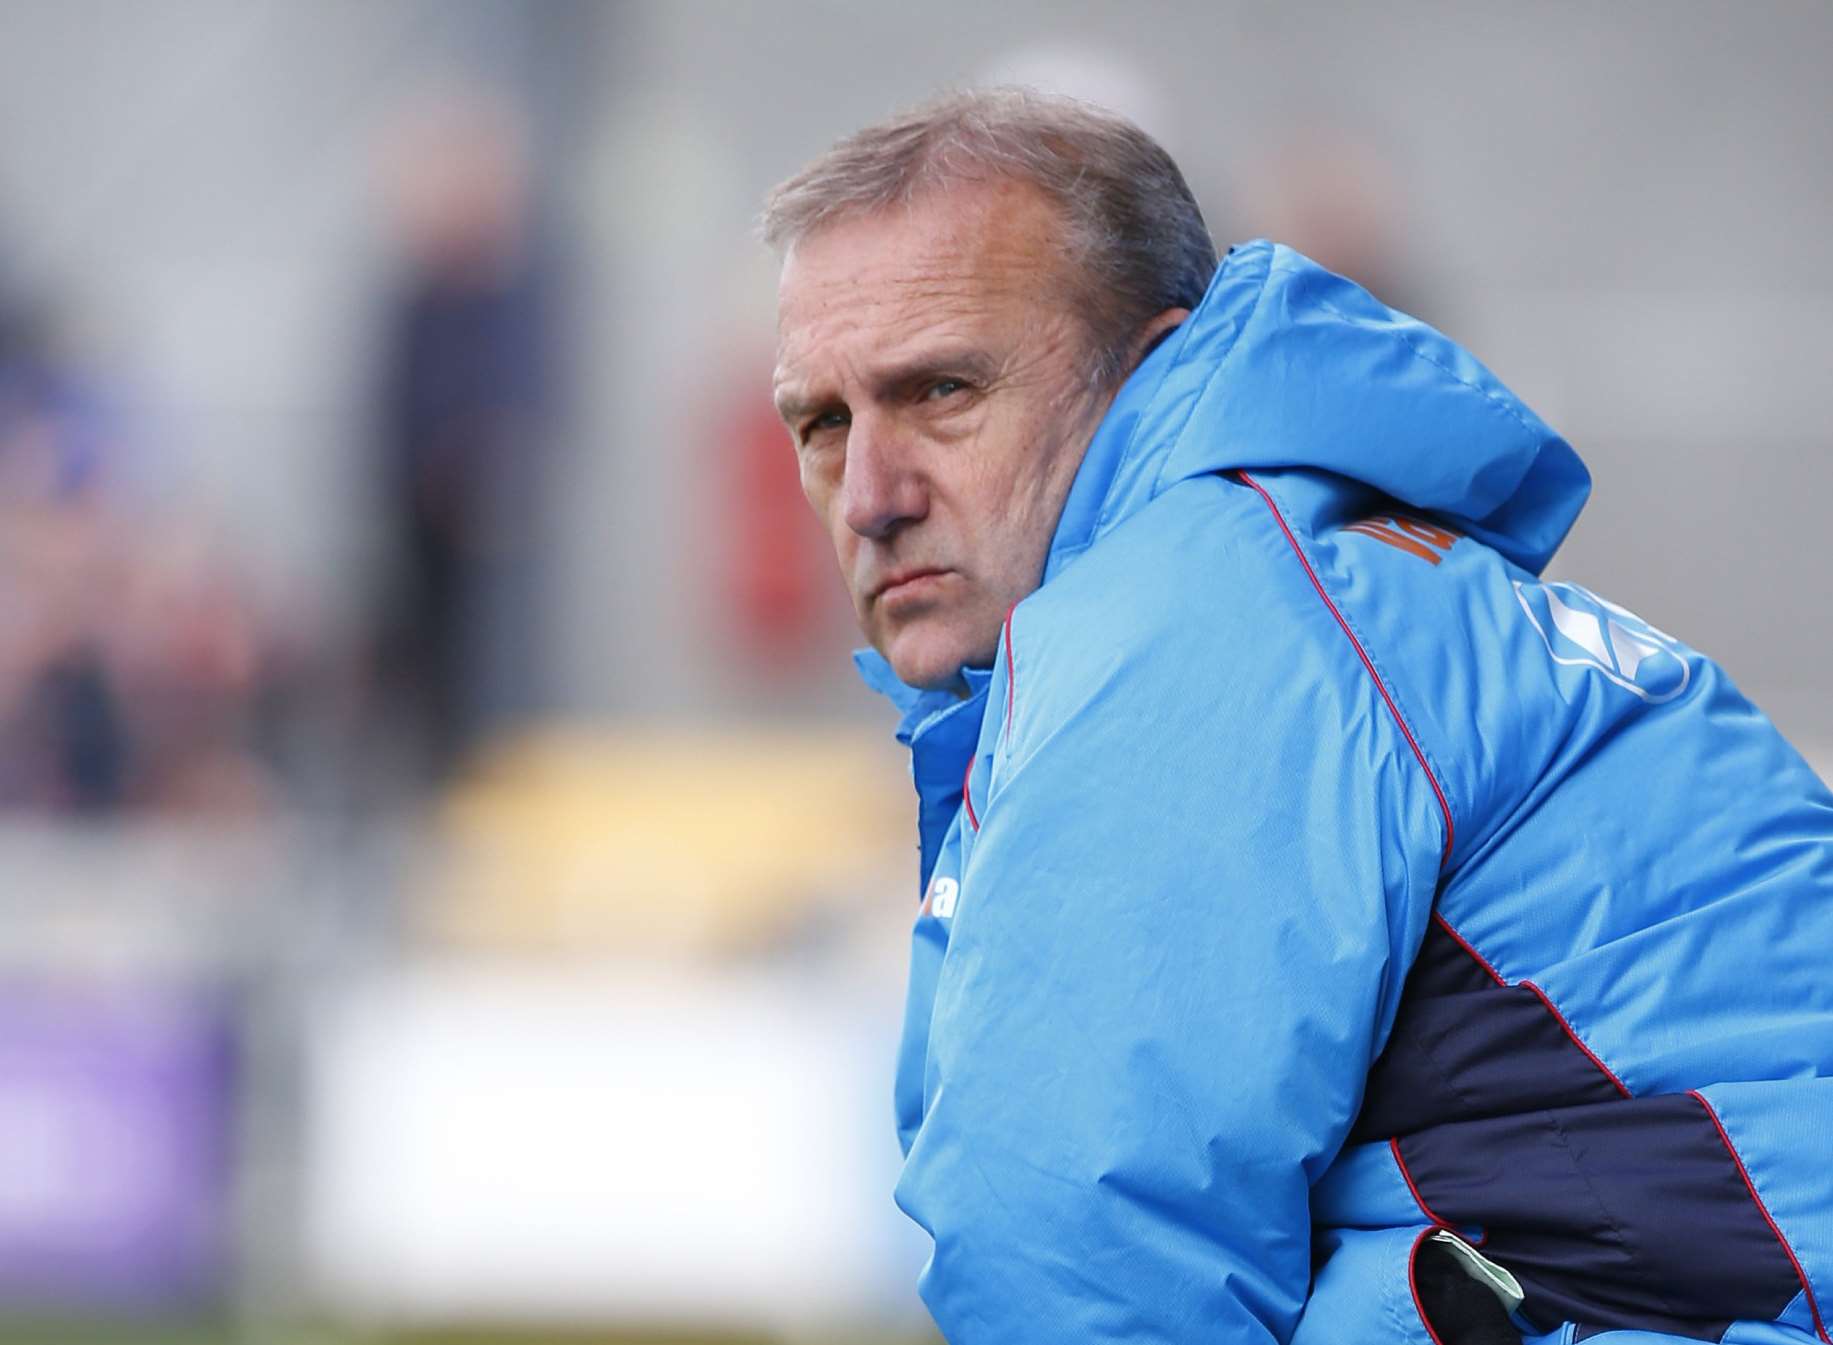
(114, 1147)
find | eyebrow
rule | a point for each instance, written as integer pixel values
(792, 406)
(884, 383)
(890, 381)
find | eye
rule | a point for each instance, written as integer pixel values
(945, 387)
(828, 420)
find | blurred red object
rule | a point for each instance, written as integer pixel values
(774, 557)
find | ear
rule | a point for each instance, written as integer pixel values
(1154, 330)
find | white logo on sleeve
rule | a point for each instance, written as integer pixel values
(1582, 630)
(940, 901)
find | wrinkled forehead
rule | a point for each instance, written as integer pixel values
(982, 251)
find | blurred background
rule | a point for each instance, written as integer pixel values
(452, 887)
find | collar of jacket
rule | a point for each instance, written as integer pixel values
(921, 710)
(1125, 462)
(940, 729)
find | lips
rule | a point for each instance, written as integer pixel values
(898, 578)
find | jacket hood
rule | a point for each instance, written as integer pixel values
(1285, 364)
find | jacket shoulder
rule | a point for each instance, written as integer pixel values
(1195, 617)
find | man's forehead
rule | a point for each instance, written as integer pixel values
(891, 274)
(997, 223)
(856, 268)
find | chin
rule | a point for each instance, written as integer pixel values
(923, 658)
(931, 659)
(928, 674)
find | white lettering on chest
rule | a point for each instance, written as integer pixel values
(943, 893)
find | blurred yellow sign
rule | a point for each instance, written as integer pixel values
(699, 839)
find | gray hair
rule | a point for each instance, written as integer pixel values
(1134, 233)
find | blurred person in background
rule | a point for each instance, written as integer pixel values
(464, 392)
(59, 711)
(132, 663)
(1330, 931)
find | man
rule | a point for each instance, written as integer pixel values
(1330, 932)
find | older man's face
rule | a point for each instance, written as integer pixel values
(934, 380)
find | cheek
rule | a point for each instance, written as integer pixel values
(1020, 494)
(814, 488)
(845, 544)
(1011, 481)
(819, 493)
(818, 490)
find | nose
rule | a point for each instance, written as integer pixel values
(881, 489)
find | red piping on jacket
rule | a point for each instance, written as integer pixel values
(1419, 1200)
(1362, 654)
(1572, 1036)
(1011, 686)
(1011, 670)
(1820, 1328)
(1413, 1285)
(1464, 943)
(1539, 994)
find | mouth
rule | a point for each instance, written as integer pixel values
(911, 582)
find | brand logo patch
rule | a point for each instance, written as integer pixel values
(1582, 630)
(1414, 536)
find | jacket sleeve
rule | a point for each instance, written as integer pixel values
(1183, 923)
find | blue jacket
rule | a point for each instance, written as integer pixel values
(1328, 892)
